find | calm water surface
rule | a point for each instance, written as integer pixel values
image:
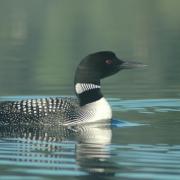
(145, 145)
(41, 43)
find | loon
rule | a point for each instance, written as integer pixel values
(90, 105)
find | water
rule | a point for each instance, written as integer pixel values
(41, 43)
(133, 148)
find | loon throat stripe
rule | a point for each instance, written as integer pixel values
(82, 87)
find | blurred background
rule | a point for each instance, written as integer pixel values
(42, 42)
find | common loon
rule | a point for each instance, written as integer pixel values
(90, 106)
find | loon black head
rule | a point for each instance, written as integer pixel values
(92, 69)
(97, 66)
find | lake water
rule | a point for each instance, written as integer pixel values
(42, 42)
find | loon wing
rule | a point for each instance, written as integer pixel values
(35, 111)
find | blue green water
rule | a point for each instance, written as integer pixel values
(130, 148)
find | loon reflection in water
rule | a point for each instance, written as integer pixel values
(91, 106)
(87, 144)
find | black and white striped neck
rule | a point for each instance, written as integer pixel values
(88, 92)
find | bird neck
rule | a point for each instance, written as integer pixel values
(87, 85)
(88, 92)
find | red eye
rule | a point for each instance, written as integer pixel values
(108, 61)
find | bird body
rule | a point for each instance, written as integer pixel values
(90, 105)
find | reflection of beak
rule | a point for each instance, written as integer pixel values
(131, 65)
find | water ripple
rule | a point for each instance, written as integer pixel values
(146, 105)
(90, 151)
(131, 161)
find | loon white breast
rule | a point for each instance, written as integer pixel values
(90, 105)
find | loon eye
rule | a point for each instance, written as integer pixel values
(108, 61)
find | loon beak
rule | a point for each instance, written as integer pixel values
(131, 65)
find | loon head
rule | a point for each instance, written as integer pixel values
(92, 69)
(99, 65)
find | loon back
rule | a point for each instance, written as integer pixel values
(53, 111)
(90, 106)
(38, 111)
